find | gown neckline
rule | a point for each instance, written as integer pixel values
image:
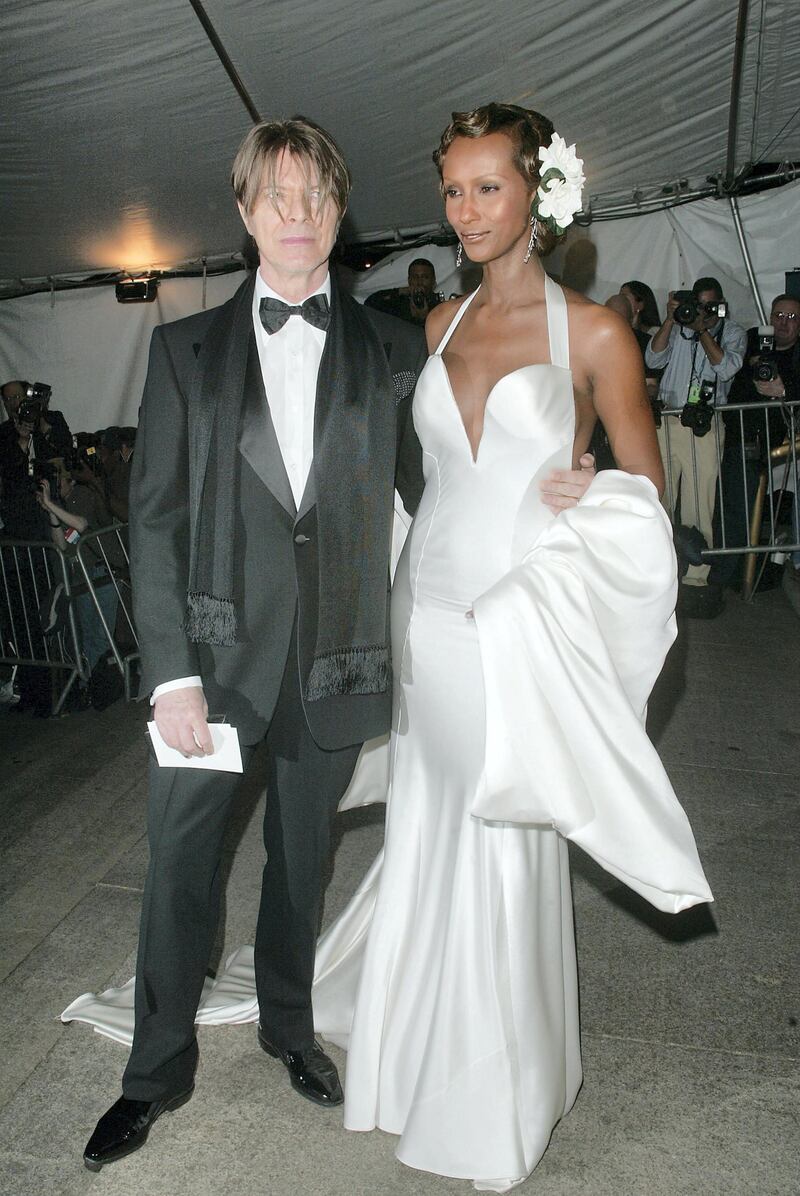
(534, 365)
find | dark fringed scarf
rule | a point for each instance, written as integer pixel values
(353, 467)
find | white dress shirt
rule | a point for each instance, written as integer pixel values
(289, 367)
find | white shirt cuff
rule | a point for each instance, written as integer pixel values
(179, 683)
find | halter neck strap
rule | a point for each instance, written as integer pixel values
(557, 323)
(455, 322)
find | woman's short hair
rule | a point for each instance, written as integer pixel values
(648, 316)
(527, 131)
(316, 150)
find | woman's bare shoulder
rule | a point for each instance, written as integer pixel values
(593, 322)
(439, 320)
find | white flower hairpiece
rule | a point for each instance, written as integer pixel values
(558, 196)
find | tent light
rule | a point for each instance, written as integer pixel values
(137, 290)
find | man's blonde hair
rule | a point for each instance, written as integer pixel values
(319, 155)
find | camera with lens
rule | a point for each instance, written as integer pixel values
(29, 411)
(698, 414)
(765, 368)
(433, 298)
(689, 309)
(40, 392)
(657, 406)
(45, 471)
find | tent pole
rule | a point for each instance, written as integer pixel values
(736, 88)
(222, 54)
(748, 265)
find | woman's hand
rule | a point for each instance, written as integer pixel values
(43, 495)
(562, 488)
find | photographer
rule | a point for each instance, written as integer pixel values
(116, 458)
(414, 303)
(12, 394)
(73, 508)
(771, 372)
(772, 369)
(700, 351)
(24, 454)
(50, 427)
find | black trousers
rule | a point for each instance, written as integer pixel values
(739, 486)
(187, 817)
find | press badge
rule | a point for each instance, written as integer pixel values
(694, 393)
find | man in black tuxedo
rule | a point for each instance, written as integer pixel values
(273, 430)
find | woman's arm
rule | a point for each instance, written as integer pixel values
(59, 515)
(619, 395)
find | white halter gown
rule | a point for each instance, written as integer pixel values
(450, 977)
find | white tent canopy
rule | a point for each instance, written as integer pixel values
(120, 120)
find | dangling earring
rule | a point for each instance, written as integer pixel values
(532, 241)
(458, 255)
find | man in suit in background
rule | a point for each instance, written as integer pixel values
(414, 302)
(270, 441)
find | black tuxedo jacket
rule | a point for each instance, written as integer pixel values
(276, 564)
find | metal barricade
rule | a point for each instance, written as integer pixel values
(757, 447)
(54, 601)
(37, 614)
(104, 563)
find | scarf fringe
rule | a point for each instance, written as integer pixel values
(349, 671)
(210, 620)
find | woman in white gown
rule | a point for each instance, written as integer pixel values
(451, 976)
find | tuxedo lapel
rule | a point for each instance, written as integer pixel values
(258, 441)
(228, 366)
(219, 376)
(309, 494)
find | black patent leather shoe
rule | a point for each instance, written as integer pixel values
(313, 1074)
(124, 1128)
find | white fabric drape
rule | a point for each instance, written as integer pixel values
(572, 641)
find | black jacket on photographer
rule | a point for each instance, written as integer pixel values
(743, 390)
(22, 516)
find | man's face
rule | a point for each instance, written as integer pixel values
(13, 394)
(293, 230)
(709, 319)
(421, 278)
(785, 319)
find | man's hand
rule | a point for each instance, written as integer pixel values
(672, 306)
(774, 389)
(180, 716)
(563, 487)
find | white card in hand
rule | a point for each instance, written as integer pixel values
(227, 756)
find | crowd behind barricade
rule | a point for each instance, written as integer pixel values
(698, 360)
(59, 489)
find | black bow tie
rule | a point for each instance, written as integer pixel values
(274, 312)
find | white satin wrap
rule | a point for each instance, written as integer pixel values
(572, 640)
